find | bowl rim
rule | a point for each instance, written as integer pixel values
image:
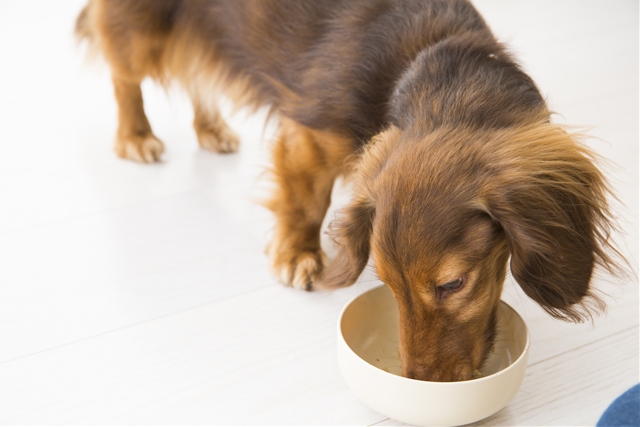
(511, 366)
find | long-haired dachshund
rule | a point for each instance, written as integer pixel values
(457, 168)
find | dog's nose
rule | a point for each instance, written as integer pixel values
(424, 373)
(459, 372)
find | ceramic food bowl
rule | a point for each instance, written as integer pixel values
(370, 364)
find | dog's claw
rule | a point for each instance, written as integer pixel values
(147, 149)
(225, 141)
(298, 270)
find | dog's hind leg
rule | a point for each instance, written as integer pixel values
(132, 36)
(213, 132)
(306, 163)
(134, 138)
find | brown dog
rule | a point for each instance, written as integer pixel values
(456, 165)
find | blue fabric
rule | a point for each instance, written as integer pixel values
(624, 411)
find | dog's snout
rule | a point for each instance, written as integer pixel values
(429, 372)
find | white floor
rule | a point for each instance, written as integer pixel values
(137, 294)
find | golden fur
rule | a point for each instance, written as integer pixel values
(458, 171)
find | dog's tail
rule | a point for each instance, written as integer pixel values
(83, 28)
(86, 34)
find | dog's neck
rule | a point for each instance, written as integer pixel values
(466, 80)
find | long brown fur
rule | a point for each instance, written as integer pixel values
(458, 170)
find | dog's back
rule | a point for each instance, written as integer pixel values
(329, 65)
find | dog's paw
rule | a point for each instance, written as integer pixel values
(223, 141)
(297, 269)
(143, 149)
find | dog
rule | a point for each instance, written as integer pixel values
(458, 171)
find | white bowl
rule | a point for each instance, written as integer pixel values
(370, 364)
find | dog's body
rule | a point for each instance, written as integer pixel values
(455, 163)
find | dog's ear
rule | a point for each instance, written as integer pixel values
(352, 228)
(351, 231)
(550, 200)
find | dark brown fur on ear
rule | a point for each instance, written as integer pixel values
(550, 200)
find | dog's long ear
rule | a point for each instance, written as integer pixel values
(353, 226)
(550, 200)
(351, 230)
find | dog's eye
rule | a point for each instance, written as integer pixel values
(454, 285)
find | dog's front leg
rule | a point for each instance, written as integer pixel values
(306, 163)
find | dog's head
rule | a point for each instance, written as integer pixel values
(442, 212)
